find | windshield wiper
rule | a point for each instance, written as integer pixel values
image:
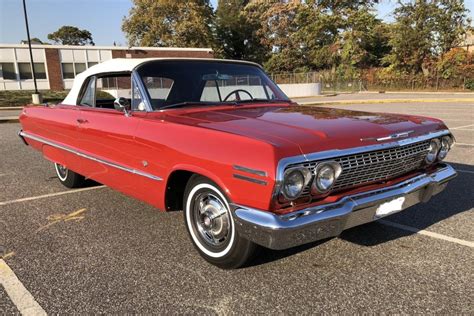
(183, 104)
(201, 103)
(262, 100)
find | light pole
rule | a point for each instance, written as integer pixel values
(36, 97)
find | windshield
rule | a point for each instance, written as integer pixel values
(190, 82)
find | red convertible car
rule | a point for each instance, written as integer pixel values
(220, 141)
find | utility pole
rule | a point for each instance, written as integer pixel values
(36, 97)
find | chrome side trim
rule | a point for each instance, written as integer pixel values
(96, 159)
(250, 170)
(253, 180)
(283, 163)
(21, 137)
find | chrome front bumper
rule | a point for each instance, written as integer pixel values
(329, 220)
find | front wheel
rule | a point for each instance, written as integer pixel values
(69, 178)
(211, 227)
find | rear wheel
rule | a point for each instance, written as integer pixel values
(211, 227)
(68, 177)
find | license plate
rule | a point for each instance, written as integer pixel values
(390, 207)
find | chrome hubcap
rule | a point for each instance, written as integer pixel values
(211, 219)
(62, 171)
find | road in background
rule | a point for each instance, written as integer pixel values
(405, 96)
(98, 251)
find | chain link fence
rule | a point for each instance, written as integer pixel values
(331, 83)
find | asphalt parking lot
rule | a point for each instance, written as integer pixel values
(98, 251)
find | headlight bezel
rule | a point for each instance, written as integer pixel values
(316, 188)
(433, 155)
(444, 149)
(306, 175)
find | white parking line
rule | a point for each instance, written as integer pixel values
(428, 233)
(464, 144)
(466, 171)
(460, 127)
(50, 195)
(19, 295)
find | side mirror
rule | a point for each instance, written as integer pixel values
(122, 105)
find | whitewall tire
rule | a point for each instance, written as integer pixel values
(211, 227)
(68, 177)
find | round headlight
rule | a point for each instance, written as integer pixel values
(326, 175)
(433, 151)
(293, 183)
(446, 143)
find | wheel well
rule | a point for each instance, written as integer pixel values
(175, 187)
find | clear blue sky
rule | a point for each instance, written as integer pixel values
(103, 18)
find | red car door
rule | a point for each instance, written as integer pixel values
(107, 141)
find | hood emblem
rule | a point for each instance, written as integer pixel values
(389, 137)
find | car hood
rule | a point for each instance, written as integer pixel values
(306, 128)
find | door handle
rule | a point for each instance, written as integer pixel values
(82, 121)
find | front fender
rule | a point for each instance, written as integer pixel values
(204, 172)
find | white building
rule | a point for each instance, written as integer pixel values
(57, 65)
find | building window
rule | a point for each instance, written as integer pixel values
(7, 71)
(92, 63)
(68, 70)
(40, 71)
(25, 71)
(80, 68)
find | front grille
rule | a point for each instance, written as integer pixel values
(379, 165)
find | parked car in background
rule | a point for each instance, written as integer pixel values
(248, 167)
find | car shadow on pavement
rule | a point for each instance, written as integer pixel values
(87, 182)
(265, 255)
(455, 199)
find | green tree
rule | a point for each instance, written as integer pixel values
(364, 41)
(318, 34)
(169, 23)
(451, 23)
(277, 26)
(235, 35)
(423, 30)
(71, 35)
(34, 40)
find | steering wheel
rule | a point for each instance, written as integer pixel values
(237, 95)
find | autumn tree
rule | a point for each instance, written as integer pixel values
(235, 35)
(456, 63)
(71, 35)
(169, 23)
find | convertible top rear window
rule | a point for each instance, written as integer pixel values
(205, 82)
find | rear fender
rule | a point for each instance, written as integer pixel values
(55, 155)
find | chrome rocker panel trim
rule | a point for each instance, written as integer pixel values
(329, 220)
(81, 154)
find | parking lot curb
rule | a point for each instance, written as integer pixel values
(7, 108)
(9, 119)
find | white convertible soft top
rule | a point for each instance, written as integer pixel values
(120, 65)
